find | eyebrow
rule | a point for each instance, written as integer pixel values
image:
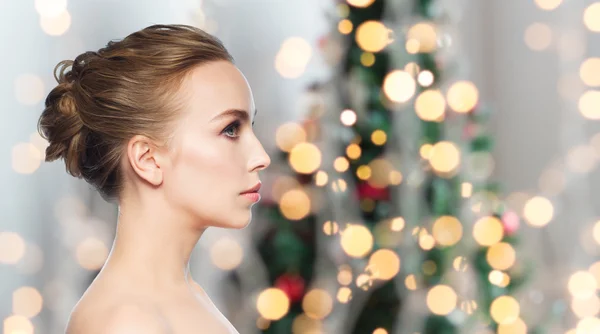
(239, 113)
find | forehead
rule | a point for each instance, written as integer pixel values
(215, 87)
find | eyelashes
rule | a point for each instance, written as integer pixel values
(232, 130)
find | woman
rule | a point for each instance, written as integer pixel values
(160, 123)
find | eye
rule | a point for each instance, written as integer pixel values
(232, 130)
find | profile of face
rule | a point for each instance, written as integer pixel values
(214, 154)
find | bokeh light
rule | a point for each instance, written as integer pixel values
(501, 256)
(399, 86)
(430, 105)
(582, 284)
(548, 4)
(589, 71)
(356, 240)
(12, 247)
(505, 310)
(226, 253)
(538, 211)
(589, 104)
(488, 231)
(272, 304)
(591, 17)
(444, 158)
(441, 300)
(384, 264)
(538, 36)
(317, 304)
(27, 301)
(305, 158)
(447, 230)
(424, 36)
(292, 57)
(372, 36)
(462, 96)
(295, 204)
(289, 135)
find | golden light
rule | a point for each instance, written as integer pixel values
(505, 310)
(367, 59)
(345, 26)
(272, 304)
(12, 247)
(384, 264)
(425, 151)
(226, 253)
(289, 135)
(462, 96)
(395, 177)
(516, 327)
(380, 331)
(304, 324)
(380, 173)
(424, 33)
(372, 36)
(589, 71)
(444, 158)
(330, 228)
(488, 231)
(399, 86)
(447, 230)
(339, 185)
(588, 104)
(548, 4)
(363, 172)
(411, 282)
(262, 323)
(460, 264)
(17, 324)
(321, 178)
(344, 276)
(582, 284)
(430, 105)
(412, 46)
(50, 8)
(344, 294)
(538, 36)
(468, 306)
(360, 3)
(588, 325)
(378, 137)
(587, 307)
(412, 68)
(348, 117)
(425, 78)
(283, 184)
(466, 189)
(426, 241)
(353, 151)
(397, 224)
(305, 158)
(356, 240)
(364, 281)
(594, 269)
(29, 89)
(292, 57)
(56, 25)
(441, 300)
(91, 253)
(27, 301)
(295, 204)
(499, 278)
(317, 304)
(501, 256)
(26, 158)
(341, 164)
(538, 211)
(591, 17)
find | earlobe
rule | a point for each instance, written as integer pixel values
(142, 155)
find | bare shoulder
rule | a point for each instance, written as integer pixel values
(124, 318)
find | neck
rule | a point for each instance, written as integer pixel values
(153, 244)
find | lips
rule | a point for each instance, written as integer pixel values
(254, 189)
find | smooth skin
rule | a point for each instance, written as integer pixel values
(172, 195)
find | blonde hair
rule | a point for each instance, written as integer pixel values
(124, 89)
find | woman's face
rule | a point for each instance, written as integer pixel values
(215, 154)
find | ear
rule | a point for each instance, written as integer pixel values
(144, 159)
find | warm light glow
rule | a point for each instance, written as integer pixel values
(321, 178)
(344, 294)
(588, 325)
(56, 25)
(360, 3)
(272, 304)
(289, 135)
(292, 57)
(441, 300)
(591, 17)
(226, 253)
(587, 307)
(27, 301)
(444, 158)
(447, 230)
(460, 264)
(582, 284)
(356, 240)
(538, 36)
(430, 105)
(372, 36)
(462, 96)
(12, 247)
(505, 310)
(501, 256)
(538, 211)
(488, 231)
(353, 151)
(295, 204)
(466, 189)
(348, 117)
(380, 331)
(399, 86)
(341, 164)
(91, 253)
(50, 8)
(363, 172)
(344, 276)
(411, 282)
(305, 158)
(26, 158)
(516, 327)
(397, 224)
(330, 228)
(17, 324)
(367, 59)
(317, 304)
(425, 78)
(380, 173)
(589, 71)
(425, 151)
(425, 36)
(29, 89)
(345, 26)
(384, 264)
(548, 4)
(378, 137)
(588, 104)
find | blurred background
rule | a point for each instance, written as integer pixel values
(434, 165)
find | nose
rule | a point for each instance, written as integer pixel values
(260, 159)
